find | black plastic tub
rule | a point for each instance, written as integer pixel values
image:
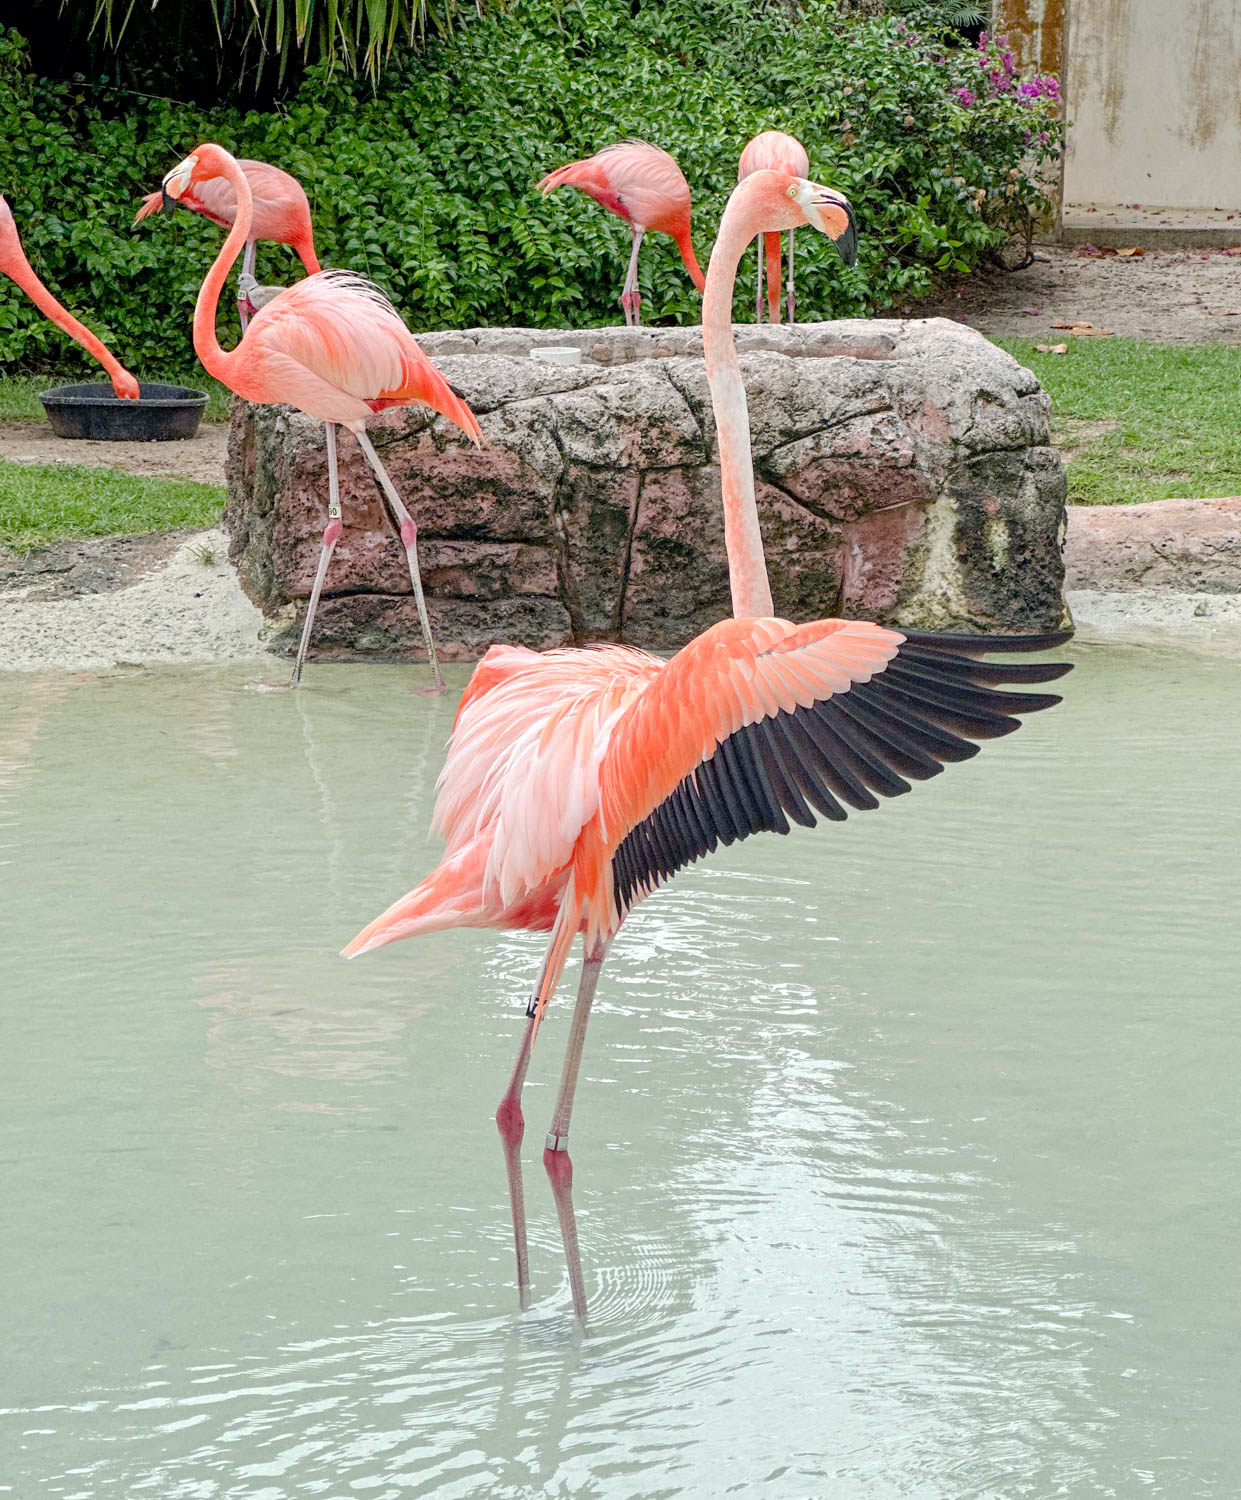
(160, 414)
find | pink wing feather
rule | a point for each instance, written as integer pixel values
(335, 347)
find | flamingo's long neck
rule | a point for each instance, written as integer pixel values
(747, 567)
(215, 360)
(685, 245)
(16, 266)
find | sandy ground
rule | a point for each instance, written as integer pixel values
(176, 601)
(1172, 297)
(1158, 617)
(200, 458)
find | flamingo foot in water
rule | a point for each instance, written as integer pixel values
(559, 1170)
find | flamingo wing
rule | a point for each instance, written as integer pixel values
(340, 329)
(758, 722)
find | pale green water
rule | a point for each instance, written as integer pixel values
(907, 1152)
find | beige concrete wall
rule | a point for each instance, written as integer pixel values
(1153, 90)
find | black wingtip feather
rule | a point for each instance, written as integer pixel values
(927, 707)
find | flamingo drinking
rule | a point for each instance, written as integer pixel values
(334, 347)
(280, 214)
(644, 186)
(577, 781)
(775, 151)
(13, 263)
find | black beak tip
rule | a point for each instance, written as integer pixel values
(168, 205)
(847, 243)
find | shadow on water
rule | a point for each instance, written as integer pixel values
(904, 1156)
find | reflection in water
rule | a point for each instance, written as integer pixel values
(905, 1157)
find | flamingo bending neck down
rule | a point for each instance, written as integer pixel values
(578, 781)
(334, 347)
(644, 186)
(280, 213)
(776, 151)
(13, 263)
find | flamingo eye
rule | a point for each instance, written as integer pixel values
(792, 192)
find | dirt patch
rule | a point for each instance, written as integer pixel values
(1168, 296)
(94, 565)
(200, 458)
(1071, 434)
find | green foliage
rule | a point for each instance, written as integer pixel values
(427, 184)
(42, 503)
(1121, 417)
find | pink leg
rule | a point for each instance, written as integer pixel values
(556, 1153)
(331, 535)
(409, 540)
(758, 300)
(512, 1126)
(631, 297)
(247, 269)
(792, 301)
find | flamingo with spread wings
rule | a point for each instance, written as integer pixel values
(13, 263)
(334, 347)
(280, 213)
(775, 151)
(644, 186)
(578, 781)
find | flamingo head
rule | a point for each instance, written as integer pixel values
(829, 212)
(204, 162)
(126, 386)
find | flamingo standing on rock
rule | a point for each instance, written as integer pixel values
(644, 186)
(577, 781)
(13, 263)
(281, 214)
(334, 347)
(773, 151)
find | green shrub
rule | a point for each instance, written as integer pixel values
(427, 184)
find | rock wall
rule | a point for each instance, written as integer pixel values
(903, 471)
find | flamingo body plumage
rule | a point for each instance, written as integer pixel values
(774, 151)
(14, 264)
(577, 781)
(644, 186)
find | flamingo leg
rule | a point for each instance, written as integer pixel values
(758, 298)
(792, 301)
(331, 535)
(409, 540)
(631, 297)
(247, 269)
(556, 1153)
(512, 1126)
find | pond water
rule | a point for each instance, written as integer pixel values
(906, 1151)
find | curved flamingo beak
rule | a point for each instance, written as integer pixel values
(831, 214)
(176, 182)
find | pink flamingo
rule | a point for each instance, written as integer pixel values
(334, 347)
(644, 186)
(13, 263)
(774, 151)
(577, 781)
(280, 214)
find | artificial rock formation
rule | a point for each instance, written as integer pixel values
(904, 475)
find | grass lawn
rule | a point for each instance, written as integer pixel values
(1141, 421)
(44, 503)
(19, 394)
